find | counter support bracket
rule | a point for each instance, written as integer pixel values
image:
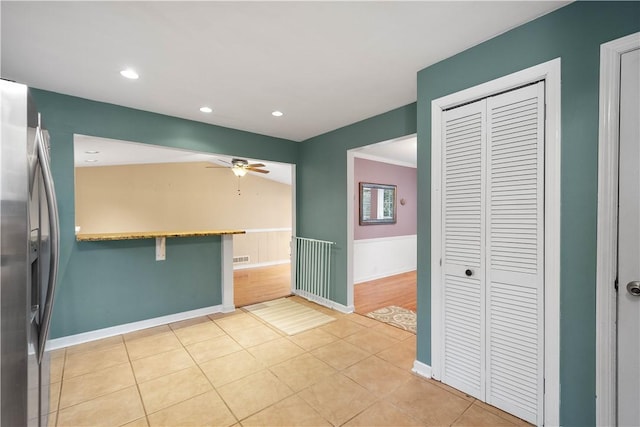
(161, 248)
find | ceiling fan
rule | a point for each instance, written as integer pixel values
(240, 167)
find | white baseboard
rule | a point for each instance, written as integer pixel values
(130, 327)
(384, 274)
(421, 369)
(325, 302)
(261, 264)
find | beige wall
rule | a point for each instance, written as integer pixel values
(263, 247)
(185, 196)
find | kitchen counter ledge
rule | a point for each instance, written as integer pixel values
(93, 237)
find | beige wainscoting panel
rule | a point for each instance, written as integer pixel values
(263, 246)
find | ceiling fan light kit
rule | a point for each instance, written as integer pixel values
(238, 171)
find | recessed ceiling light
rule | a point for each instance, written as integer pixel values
(91, 152)
(277, 113)
(206, 109)
(91, 160)
(129, 73)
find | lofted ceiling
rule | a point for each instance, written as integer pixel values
(323, 64)
(91, 151)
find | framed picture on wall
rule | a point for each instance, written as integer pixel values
(377, 204)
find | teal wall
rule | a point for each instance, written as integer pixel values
(573, 33)
(105, 284)
(321, 190)
(95, 276)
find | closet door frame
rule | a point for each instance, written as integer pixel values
(607, 246)
(550, 73)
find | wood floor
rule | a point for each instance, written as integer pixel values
(399, 290)
(256, 285)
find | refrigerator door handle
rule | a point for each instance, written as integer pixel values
(54, 235)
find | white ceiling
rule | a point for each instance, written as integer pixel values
(324, 64)
(113, 152)
(401, 151)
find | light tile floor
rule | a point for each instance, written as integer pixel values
(236, 370)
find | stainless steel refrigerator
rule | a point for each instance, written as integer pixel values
(29, 247)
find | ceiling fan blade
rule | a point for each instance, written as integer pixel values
(218, 163)
(258, 170)
(255, 165)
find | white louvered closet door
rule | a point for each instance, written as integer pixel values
(463, 352)
(493, 230)
(515, 256)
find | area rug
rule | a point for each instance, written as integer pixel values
(289, 316)
(396, 316)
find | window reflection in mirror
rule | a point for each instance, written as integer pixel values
(377, 204)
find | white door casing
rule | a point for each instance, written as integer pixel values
(550, 73)
(628, 341)
(607, 242)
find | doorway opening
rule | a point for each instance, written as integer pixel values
(382, 253)
(123, 186)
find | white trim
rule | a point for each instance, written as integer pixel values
(386, 239)
(550, 72)
(293, 225)
(351, 201)
(129, 327)
(325, 302)
(421, 369)
(383, 275)
(226, 273)
(261, 264)
(607, 244)
(380, 159)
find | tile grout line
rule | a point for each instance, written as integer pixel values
(463, 412)
(269, 368)
(135, 378)
(64, 362)
(206, 376)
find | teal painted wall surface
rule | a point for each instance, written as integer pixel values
(105, 284)
(322, 183)
(573, 33)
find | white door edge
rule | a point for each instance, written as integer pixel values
(550, 72)
(606, 265)
(294, 229)
(351, 197)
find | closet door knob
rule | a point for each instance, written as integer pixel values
(634, 288)
(469, 273)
